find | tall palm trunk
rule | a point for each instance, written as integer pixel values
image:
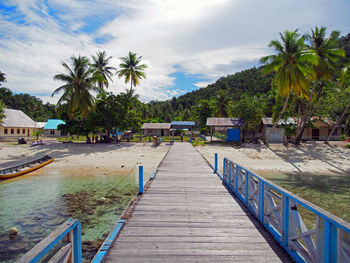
(338, 123)
(306, 116)
(130, 93)
(279, 117)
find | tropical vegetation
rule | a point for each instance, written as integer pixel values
(132, 70)
(306, 75)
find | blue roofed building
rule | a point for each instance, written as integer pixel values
(183, 125)
(50, 128)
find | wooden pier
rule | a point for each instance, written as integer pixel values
(188, 215)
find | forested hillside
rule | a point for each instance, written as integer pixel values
(30, 105)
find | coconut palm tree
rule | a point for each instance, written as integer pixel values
(344, 84)
(2, 78)
(132, 70)
(291, 64)
(328, 53)
(79, 81)
(100, 65)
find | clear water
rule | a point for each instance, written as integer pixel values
(37, 203)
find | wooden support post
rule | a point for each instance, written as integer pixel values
(229, 174)
(77, 248)
(285, 221)
(140, 180)
(330, 242)
(261, 201)
(246, 196)
(223, 168)
(237, 174)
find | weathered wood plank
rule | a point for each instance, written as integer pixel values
(187, 215)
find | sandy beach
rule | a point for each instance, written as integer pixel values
(308, 158)
(88, 158)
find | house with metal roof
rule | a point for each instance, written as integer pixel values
(189, 125)
(51, 128)
(16, 124)
(318, 130)
(230, 126)
(156, 129)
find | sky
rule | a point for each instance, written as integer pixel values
(187, 44)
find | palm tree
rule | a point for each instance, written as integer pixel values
(221, 101)
(291, 64)
(80, 81)
(100, 65)
(2, 78)
(344, 84)
(327, 53)
(132, 70)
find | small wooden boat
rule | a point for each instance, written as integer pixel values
(25, 168)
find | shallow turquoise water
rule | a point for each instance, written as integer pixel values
(37, 203)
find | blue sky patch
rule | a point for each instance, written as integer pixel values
(185, 82)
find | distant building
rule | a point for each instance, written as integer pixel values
(277, 135)
(230, 126)
(318, 130)
(16, 124)
(50, 129)
(156, 129)
(40, 125)
(189, 125)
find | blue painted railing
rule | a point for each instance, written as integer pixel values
(203, 137)
(66, 239)
(278, 210)
(102, 252)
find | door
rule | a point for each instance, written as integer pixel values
(315, 134)
(233, 135)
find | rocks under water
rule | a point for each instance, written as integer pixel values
(94, 209)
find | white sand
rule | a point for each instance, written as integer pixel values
(89, 158)
(310, 157)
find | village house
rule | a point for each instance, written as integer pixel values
(156, 129)
(229, 126)
(16, 124)
(51, 128)
(317, 131)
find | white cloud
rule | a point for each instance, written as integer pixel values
(208, 38)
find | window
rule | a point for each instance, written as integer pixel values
(24, 131)
(12, 131)
(52, 132)
(6, 131)
(18, 131)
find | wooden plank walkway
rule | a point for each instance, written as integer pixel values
(187, 215)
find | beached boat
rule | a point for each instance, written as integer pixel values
(25, 168)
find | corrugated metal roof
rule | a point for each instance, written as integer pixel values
(40, 125)
(52, 124)
(156, 126)
(225, 122)
(17, 118)
(183, 123)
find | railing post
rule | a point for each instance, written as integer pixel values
(140, 180)
(216, 162)
(285, 221)
(261, 201)
(223, 168)
(246, 196)
(330, 242)
(237, 173)
(229, 174)
(77, 250)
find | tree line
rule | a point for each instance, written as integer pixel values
(307, 75)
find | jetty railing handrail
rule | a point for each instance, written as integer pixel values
(70, 233)
(277, 209)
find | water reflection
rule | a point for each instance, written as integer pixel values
(36, 204)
